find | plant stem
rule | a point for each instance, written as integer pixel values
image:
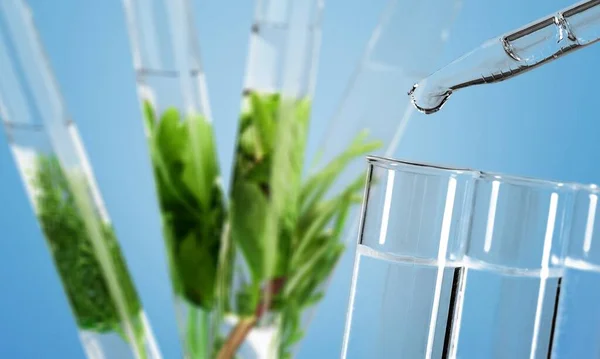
(244, 326)
(204, 333)
(197, 332)
(237, 337)
(192, 332)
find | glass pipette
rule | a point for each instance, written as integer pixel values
(512, 54)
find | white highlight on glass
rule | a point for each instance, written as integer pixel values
(150, 340)
(544, 272)
(444, 237)
(350, 309)
(489, 230)
(387, 205)
(27, 167)
(589, 225)
(581, 265)
(88, 172)
(91, 346)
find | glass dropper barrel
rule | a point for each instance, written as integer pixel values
(512, 54)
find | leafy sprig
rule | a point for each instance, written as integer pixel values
(191, 199)
(73, 253)
(287, 231)
(304, 242)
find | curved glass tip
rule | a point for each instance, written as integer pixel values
(511, 54)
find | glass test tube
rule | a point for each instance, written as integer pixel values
(174, 99)
(53, 165)
(405, 45)
(578, 321)
(279, 252)
(515, 254)
(408, 278)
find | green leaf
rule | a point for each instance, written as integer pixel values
(149, 116)
(320, 183)
(197, 267)
(263, 120)
(249, 143)
(314, 299)
(305, 268)
(324, 213)
(248, 212)
(260, 173)
(314, 221)
(166, 146)
(170, 138)
(200, 170)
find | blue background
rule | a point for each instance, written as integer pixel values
(542, 124)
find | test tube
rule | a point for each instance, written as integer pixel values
(174, 99)
(512, 54)
(515, 256)
(578, 322)
(279, 252)
(58, 178)
(405, 44)
(408, 278)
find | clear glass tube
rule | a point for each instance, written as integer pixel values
(408, 275)
(405, 45)
(51, 159)
(578, 319)
(514, 259)
(279, 249)
(464, 264)
(512, 54)
(173, 95)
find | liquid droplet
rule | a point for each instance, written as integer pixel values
(428, 102)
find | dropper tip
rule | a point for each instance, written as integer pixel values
(434, 100)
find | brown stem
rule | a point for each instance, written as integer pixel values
(239, 333)
(236, 338)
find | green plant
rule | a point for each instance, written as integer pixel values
(191, 200)
(287, 231)
(193, 212)
(69, 241)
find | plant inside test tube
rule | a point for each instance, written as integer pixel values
(191, 199)
(70, 242)
(309, 228)
(289, 260)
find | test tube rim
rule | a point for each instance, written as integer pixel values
(417, 167)
(589, 188)
(524, 181)
(486, 176)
